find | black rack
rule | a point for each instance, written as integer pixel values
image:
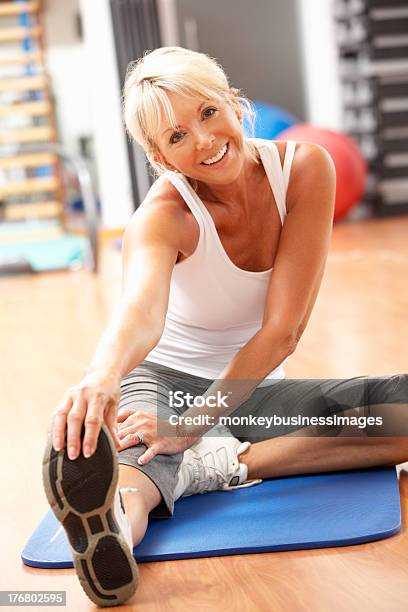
(372, 39)
(136, 30)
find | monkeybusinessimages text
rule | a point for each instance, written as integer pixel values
(179, 399)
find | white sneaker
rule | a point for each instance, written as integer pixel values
(212, 463)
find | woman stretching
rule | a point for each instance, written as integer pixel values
(222, 263)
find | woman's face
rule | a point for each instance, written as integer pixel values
(208, 142)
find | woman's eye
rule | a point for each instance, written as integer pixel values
(209, 112)
(176, 137)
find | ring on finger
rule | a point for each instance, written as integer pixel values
(140, 435)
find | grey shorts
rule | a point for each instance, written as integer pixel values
(149, 385)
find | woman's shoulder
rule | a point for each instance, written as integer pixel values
(262, 143)
(163, 198)
(305, 152)
(162, 190)
(311, 156)
(163, 211)
(311, 166)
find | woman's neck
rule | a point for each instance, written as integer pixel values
(238, 193)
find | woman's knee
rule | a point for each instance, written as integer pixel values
(148, 492)
(401, 387)
(388, 390)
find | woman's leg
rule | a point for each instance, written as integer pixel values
(312, 449)
(140, 502)
(289, 455)
(208, 465)
(147, 388)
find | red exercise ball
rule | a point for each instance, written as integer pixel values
(351, 168)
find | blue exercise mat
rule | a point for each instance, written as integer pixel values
(67, 251)
(293, 513)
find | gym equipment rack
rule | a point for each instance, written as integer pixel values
(372, 41)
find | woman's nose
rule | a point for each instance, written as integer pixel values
(204, 140)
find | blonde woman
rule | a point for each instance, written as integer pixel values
(222, 263)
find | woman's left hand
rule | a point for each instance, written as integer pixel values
(131, 422)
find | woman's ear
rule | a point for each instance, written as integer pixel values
(158, 158)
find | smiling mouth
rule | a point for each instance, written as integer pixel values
(218, 157)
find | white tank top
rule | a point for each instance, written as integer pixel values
(214, 306)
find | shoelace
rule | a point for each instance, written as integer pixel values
(197, 475)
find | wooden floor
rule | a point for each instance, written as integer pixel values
(49, 325)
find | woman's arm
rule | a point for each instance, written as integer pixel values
(151, 245)
(150, 248)
(294, 283)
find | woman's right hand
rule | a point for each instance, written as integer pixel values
(91, 402)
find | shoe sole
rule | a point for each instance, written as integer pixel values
(81, 494)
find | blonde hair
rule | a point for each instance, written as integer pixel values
(176, 70)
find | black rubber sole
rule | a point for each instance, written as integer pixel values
(81, 494)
